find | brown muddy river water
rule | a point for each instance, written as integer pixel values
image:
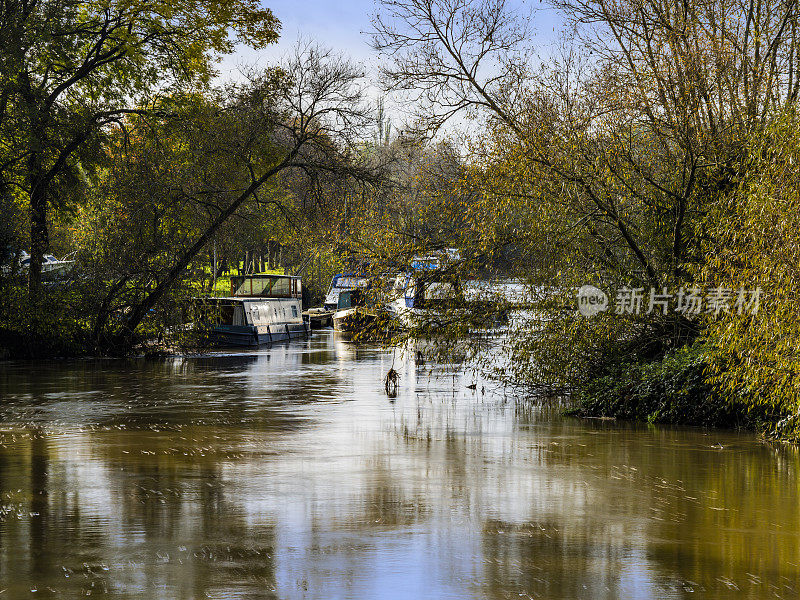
(288, 473)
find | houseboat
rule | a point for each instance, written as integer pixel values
(418, 296)
(261, 309)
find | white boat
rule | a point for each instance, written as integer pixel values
(352, 314)
(262, 308)
(343, 282)
(434, 298)
(420, 296)
(51, 266)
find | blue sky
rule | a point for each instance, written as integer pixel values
(342, 25)
(339, 24)
(333, 23)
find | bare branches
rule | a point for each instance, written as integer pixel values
(452, 55)
(648, 100)
(301, 117)
(324, 98)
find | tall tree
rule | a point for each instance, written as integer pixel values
(637, 118)
(70, 68)
(175, 183)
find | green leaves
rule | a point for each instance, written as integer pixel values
(755, 242)
(70, 69)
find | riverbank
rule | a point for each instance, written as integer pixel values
(675, 390)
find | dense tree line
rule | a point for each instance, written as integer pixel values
(116, 147)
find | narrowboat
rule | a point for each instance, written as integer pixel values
(262, 309)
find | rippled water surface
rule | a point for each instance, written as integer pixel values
(289, 473)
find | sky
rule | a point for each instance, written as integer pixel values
(343, 26)
(337, 24)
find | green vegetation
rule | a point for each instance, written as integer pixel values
(673, 390)
(655, 151)
(116, 149)
(753, 242)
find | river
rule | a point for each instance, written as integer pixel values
(288, 473)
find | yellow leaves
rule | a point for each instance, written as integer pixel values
(759, 245)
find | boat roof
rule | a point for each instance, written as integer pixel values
(244, 298)
(266, 276)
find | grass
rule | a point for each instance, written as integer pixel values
(222, 286)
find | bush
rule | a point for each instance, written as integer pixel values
(754, 243)
(672, 390)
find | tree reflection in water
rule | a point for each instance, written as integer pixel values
(287, 473)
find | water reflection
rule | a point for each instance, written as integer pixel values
(288, 473)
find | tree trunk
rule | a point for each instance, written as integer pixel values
(39, 238)
(222, 267)
(140, 310)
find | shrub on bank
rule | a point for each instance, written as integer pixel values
(754, 243)
(671, 390)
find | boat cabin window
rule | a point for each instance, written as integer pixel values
(281, 287)
(255, 286)
(350, 282)
(350, 299)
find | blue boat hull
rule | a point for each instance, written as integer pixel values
(248, 336)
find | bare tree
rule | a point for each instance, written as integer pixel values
(694, 78)
(452, 55)
(469, 55)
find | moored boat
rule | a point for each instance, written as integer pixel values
(262, 309)
(53, 269)
(352, 314)
(318, 317)
(322, 316)
(422, 295)
(343, 282)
